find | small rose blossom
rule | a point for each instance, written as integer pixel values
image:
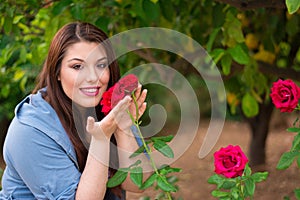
(230, 161)
(285, 95)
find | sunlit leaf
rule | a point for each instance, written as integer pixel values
(249, 105)
(292, 5)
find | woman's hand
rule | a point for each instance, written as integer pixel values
(125, 122)
(108, 125)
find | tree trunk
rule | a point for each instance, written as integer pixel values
(259, 126)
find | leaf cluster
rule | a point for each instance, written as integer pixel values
(239, 188)
(160, 179)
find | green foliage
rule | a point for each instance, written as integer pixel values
(232, 37)
(239, 188)
(287, 158)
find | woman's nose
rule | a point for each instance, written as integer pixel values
(92, 74)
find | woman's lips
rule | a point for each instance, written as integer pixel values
(90, 91)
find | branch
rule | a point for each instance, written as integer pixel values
(280, 72)
(254, 4)
(273, 70)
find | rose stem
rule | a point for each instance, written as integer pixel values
(148, 150)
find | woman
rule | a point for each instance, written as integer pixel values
(53, 149)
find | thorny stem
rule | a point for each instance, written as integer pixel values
(148, 150)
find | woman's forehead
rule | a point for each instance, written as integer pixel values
(86, 51)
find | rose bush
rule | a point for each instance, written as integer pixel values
(230, 161)
(234, 178)
(285, 95)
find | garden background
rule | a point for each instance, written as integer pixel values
(253, 43)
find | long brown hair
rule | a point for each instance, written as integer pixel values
(70, 34)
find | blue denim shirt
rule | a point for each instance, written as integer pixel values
(40, 160)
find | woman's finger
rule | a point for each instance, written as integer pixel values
(90, 124)
(142, 97)
(137, 92)
(122, 105)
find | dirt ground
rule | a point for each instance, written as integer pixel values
(193, 179)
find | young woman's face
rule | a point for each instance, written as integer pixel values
(84, 73)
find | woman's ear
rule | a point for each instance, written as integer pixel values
(58, 77)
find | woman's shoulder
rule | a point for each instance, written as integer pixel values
(35, 122)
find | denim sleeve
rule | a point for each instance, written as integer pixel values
(41, 163)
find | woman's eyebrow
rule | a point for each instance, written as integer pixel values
(81, 60)
(104, 58)
(78, 59)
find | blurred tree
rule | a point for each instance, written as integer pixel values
(253, 43)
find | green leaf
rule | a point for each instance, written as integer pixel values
(229, 183)
(167, 169)
(298, 162)
(144, 198)
(215, 179)
(293, 129)
(259, 176)
(297, 193)
(292, 5)
(167, 10)
(140, 150)
(163, 148)
(118, 178)
(19, 74)
(218, 15)
(249, 105)
(220, 194)
(172, 179)
(60, 6)
(77, 11)
(250, 186)
(226, 64)
(163, 184)
(151, 10)
(5, 90)
(232, 27)
(287, 159)
(8, 22)
(167, 138)
(239, 54)
(217, 54)
(247, 170)
(149, 182)
(136, 175)
(103, 22)
(296, 143)
(212, 38)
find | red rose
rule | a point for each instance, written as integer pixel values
(123, 87)
(230, 161)
(116, 93)
(285, 95)
(106, 101)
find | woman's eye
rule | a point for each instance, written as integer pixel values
(101, 65)
(77, 66)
